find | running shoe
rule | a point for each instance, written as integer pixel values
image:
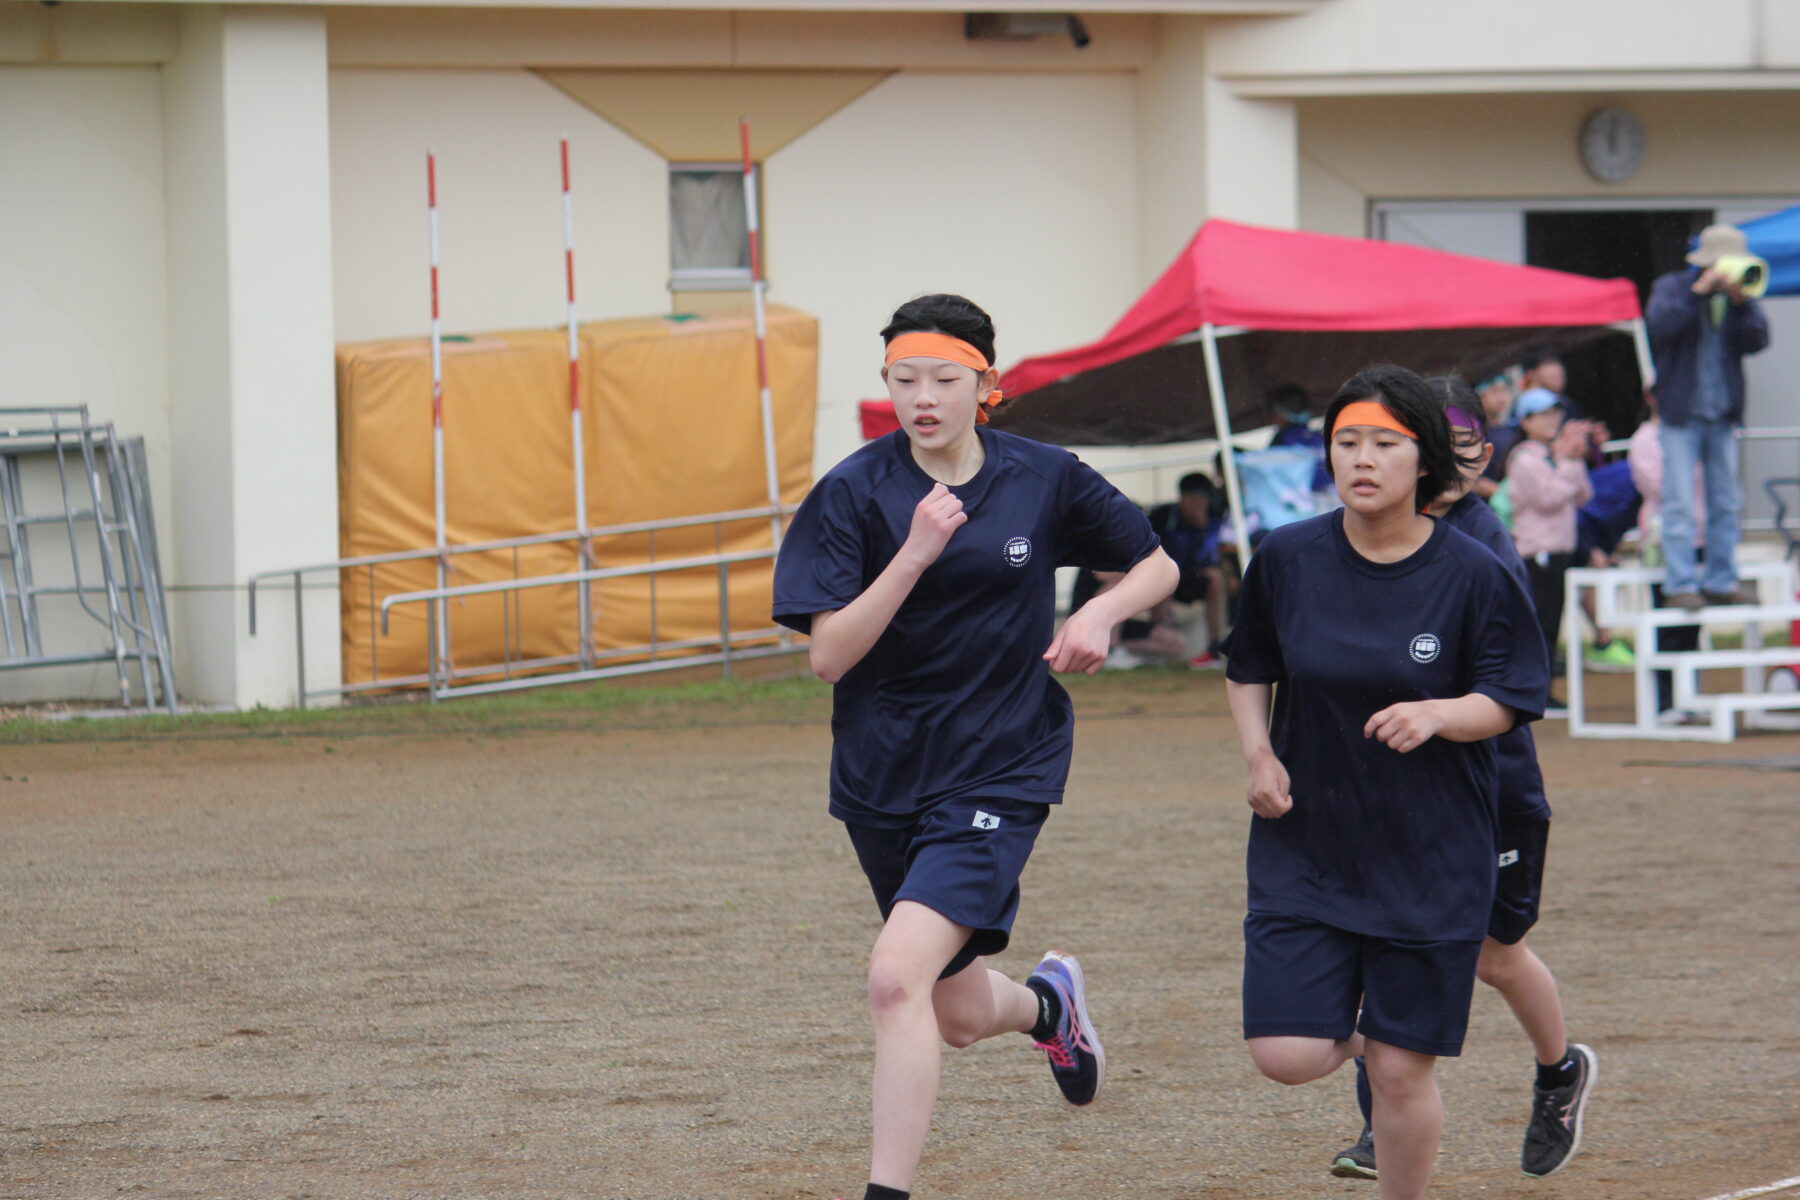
(1554, 1134)
(1121, 659)
(1614, 656)
(1358, 1161)
(1076, 1059)
(1206, 660)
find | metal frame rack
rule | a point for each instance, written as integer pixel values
(104, 517)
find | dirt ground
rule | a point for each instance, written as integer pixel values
(625, 962)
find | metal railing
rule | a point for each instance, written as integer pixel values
(440, 677)
(434, 598)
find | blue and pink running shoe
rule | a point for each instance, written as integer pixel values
(1076, 1059)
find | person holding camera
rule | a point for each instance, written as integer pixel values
(1702, 321)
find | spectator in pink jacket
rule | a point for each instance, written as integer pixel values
(1547, 480)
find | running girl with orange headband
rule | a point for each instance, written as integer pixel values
(923, 567)
(1396, 648)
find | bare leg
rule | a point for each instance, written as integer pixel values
(1215, 603)
(1529, 989)
(1409, 1117)
(977, 1003)
(1295, 1060)
(913, 948)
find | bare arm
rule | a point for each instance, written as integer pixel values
(1081, 644)
(1471, 718)
(841, 637)
(1268, 791)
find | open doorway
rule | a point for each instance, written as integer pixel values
(1634, 244)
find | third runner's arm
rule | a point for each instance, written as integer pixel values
(1268, 792)
(842, 636)
(1082, 642)
(1470, 718)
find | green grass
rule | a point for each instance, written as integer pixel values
(588, 706)
(643, 702)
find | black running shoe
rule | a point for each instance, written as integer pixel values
(1076, 1059)
(1357, 1162)
(1554, 1134)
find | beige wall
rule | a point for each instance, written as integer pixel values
(1354, 149)
(82, 286)
(499, 205)
(1345, 44)
(404, 35)
(1031, 214)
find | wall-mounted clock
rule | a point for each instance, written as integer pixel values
(1612, 144)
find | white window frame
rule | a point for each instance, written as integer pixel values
(708, 279)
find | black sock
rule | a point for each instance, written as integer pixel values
(1560, 1074)
(1049, 1010)
(876, 1192)
(1364, 1100)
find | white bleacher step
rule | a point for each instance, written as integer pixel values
(1707, 660)
(1723, 614)
(1739, 701)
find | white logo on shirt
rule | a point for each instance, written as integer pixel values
(1017, 551)
(1425, 647)
(985, 820)
(1509, 858)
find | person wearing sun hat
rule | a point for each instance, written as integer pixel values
(1701, 325)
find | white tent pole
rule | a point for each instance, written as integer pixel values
(1234, 494)
(1646, 365)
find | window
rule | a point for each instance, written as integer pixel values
(708, 232)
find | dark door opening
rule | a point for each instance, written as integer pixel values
(1634, 244)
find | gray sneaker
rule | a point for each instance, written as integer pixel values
(1358, 1161)
(1743, 593)
(1554, 1135)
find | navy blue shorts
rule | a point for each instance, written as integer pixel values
(1306, 979)
(1520, 884)
(961, 859)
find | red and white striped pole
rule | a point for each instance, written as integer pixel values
(437, 412)
(583, 605)
(757, 287)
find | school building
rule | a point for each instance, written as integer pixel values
(199, 201)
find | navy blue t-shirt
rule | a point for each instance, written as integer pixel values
(1521, 781)
(1380, 843)
(954, 699)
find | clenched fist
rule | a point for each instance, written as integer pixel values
(938, 516)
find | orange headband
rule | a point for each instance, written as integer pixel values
(950, 349)
(1370, 412)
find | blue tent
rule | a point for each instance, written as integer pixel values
(1776, 237)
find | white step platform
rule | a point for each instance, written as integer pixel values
(1622, 605)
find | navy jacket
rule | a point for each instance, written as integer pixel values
(1673, 317)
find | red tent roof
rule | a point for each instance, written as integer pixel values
(1377, 298)
(1278, 279)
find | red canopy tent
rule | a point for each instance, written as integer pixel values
(1244, 308)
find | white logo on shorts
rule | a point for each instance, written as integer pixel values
(1017, 551)
(1509, 858)
(985, 820)
(1425, 647)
